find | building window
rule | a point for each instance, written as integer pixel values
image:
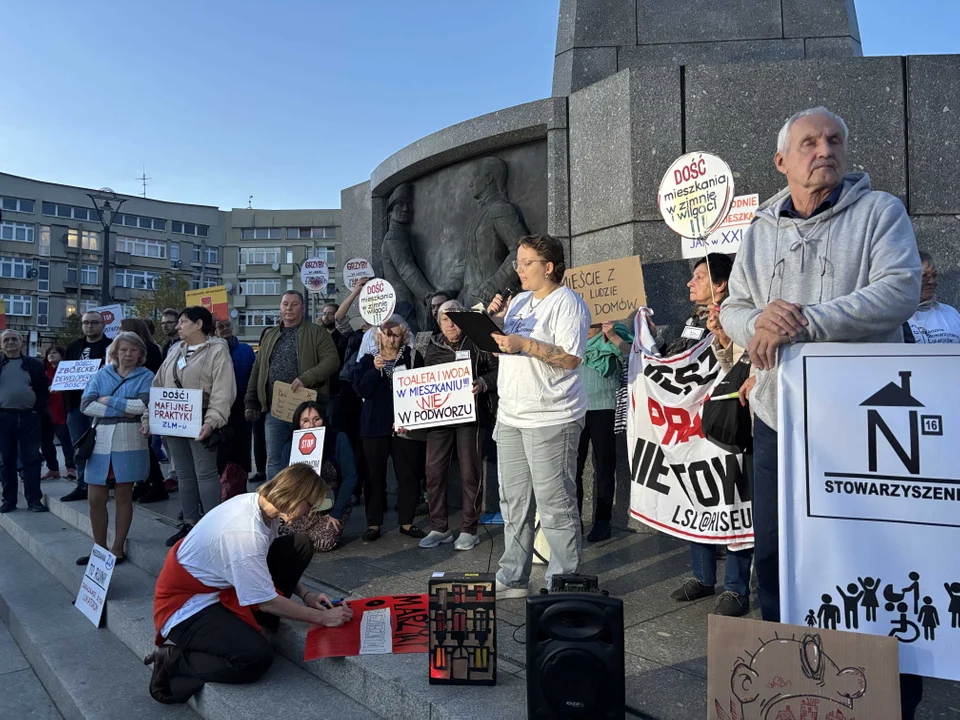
(289, 284)
(18, 232)
(182, 228)
(16, 268)
(260, 234)
(89, 239)
(142, 247)
(71, 306)
(43, 311)
(258, 318)
(137, 221)
(89, 275)
(137, 279)
(197, 250)
(45, 240)
(288, 255)
(213, 255)
(17, 204)
(259, 256)
(331, 289)
(211, 281)
(261, 287)
(308, 233)
(70, 211)
(174, 254)
(18, 305)
(43, 276)
(324, 253)
(195, 281)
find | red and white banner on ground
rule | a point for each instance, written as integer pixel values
(681, 483)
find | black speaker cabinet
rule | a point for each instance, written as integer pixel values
(575, 656)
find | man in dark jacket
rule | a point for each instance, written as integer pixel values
(92, 346)
(24, 394)
(237, 449)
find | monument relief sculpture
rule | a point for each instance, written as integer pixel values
(400, 267)
(491, 243)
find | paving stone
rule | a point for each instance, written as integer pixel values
(664, 693)
(11, 659)
(24, 697)
(933, 96)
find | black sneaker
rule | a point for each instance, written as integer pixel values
(692, 589)
(599, 531)
(181, 533)
(157, 493)
(732, 605)
(78, 493)
(7, 507)
(37, 507)
(414, 532)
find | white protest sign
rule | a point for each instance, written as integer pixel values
(315, 274)
(695, 194)
(434, 395)
(377, 301)
(307, 447)
(870, 493)
(355, 269)
(175, 411)
(112, 315)
(683, 484)
(727, 237)
(96, 579)
(74, 374)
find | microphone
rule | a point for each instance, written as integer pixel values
(510, 289)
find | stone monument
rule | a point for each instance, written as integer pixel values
(400, 266)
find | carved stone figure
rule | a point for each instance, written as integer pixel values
(400, 267)
(492, 239)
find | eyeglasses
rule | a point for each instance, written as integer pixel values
(525, 264)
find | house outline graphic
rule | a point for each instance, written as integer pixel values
(893, 395)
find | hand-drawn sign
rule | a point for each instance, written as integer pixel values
(612, 289)
(355, 269)
(315, 275)
(377, 301)
(695, 194)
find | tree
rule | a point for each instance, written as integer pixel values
(72, 330)
(169, 291)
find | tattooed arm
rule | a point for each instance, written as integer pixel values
(551, 355)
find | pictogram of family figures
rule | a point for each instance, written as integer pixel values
(864, 595)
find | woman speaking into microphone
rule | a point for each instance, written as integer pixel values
(541, 413)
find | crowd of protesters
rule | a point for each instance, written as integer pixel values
(828, 259)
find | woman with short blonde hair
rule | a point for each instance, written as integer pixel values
(231, 575)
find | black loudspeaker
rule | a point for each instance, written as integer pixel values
(575, 656)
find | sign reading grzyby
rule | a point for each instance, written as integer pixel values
(177, 412)
(92, 595)
(307, 447)
(112, 315)
(355, 269)
(285, 400)
(727, 237)
(377, 301)
(869, 494)
(434, 395)
(74, 374)
(213, 299)
(612, 290)
(315, 274)
(695, 194)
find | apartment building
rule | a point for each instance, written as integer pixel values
(51, 254)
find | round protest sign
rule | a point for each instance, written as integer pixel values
(377, 301)
(315, 274)
(695, 194)
(354, 270)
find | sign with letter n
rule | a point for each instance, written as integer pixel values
(870, 495)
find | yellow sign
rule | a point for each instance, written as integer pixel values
(611, 289)
(213, 299)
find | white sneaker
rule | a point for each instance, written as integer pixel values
(436, 538)
(466, 541)
(505, 592)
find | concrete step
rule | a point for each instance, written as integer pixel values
(84, 670)
(128, 616)
(392, 685)
(22, 692)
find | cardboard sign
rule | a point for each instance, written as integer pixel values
(773, 671)
(315, 274)
(74, 374)
(307, 447)
(92, 595)
(354, 270)
(727, 237)
(377, 301)
(695, 194)
(869, 493)
(285, 401)
(112, 315)
(612, 290)
(213, 299)
(176, 412)
(402, 629)
(434, 395)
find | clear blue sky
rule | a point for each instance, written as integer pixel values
(289, 100)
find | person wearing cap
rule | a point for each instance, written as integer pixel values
(400, 267)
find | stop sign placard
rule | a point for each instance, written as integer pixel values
(308, 443)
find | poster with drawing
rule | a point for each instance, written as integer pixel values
(870, 496)
(770, 671)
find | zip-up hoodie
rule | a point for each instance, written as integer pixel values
(854, 268)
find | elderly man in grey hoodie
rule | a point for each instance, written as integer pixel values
(827, 259)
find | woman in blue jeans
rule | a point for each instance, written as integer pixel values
(541, 415)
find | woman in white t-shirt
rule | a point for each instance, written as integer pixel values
(231, 575)
(933, 322)
(541, 413)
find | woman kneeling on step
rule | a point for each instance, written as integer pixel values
(231, 575)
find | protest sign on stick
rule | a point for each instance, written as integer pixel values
(112, 315)
(213, 299)
(434, 395)
(612, 290)
(377, 301)
(315, 275)
(74, 374)
(355, 269)
(729, 234)
(307, 447)
(285, 400)
(176, 411)
(92, 595)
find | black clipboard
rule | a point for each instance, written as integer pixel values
(478, 326)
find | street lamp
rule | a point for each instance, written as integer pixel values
(108, 204)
